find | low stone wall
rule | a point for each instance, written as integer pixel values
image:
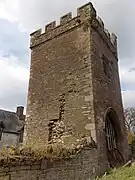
(83, 166)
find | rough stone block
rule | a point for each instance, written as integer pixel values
(4, 177)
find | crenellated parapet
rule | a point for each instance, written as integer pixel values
(85, 13)
(67, 22)
(66, 18)
(109, 38)
(50, 26)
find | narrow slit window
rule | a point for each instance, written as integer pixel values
(106, 67)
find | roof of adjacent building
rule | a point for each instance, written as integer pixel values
(10, 122)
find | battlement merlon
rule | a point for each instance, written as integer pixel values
(98, 24)
(84, 13)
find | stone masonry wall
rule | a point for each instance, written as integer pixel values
(61, 68)
(107, 91)
(69, 92)
(81, 167)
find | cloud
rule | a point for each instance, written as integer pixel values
(20, 18)
(132, 69)
(128, 97)
(118, 17)
(34, 14)
(9, 9)
(127, 77)
(13, 83)
(12, 41)
(14, 65)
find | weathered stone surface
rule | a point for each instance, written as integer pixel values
(83, 166)
(74, 83)
(57, 83)
(106, 92)
(4, 177)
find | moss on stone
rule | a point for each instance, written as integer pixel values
(32, 153)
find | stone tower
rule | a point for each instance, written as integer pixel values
(74, 89)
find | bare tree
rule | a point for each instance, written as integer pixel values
(129, 117)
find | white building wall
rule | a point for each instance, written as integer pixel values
(9, 139)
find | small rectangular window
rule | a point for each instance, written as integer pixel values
(106, 67)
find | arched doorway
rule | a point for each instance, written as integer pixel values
(113, 138)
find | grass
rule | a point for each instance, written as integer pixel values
(127, 173)
(35, 153)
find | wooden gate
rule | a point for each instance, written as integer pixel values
(115, 158)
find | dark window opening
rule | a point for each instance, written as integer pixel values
(113, 139)
(1, 129)
(107, 67)
(21, 135)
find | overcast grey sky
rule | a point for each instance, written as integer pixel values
(20, 17)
